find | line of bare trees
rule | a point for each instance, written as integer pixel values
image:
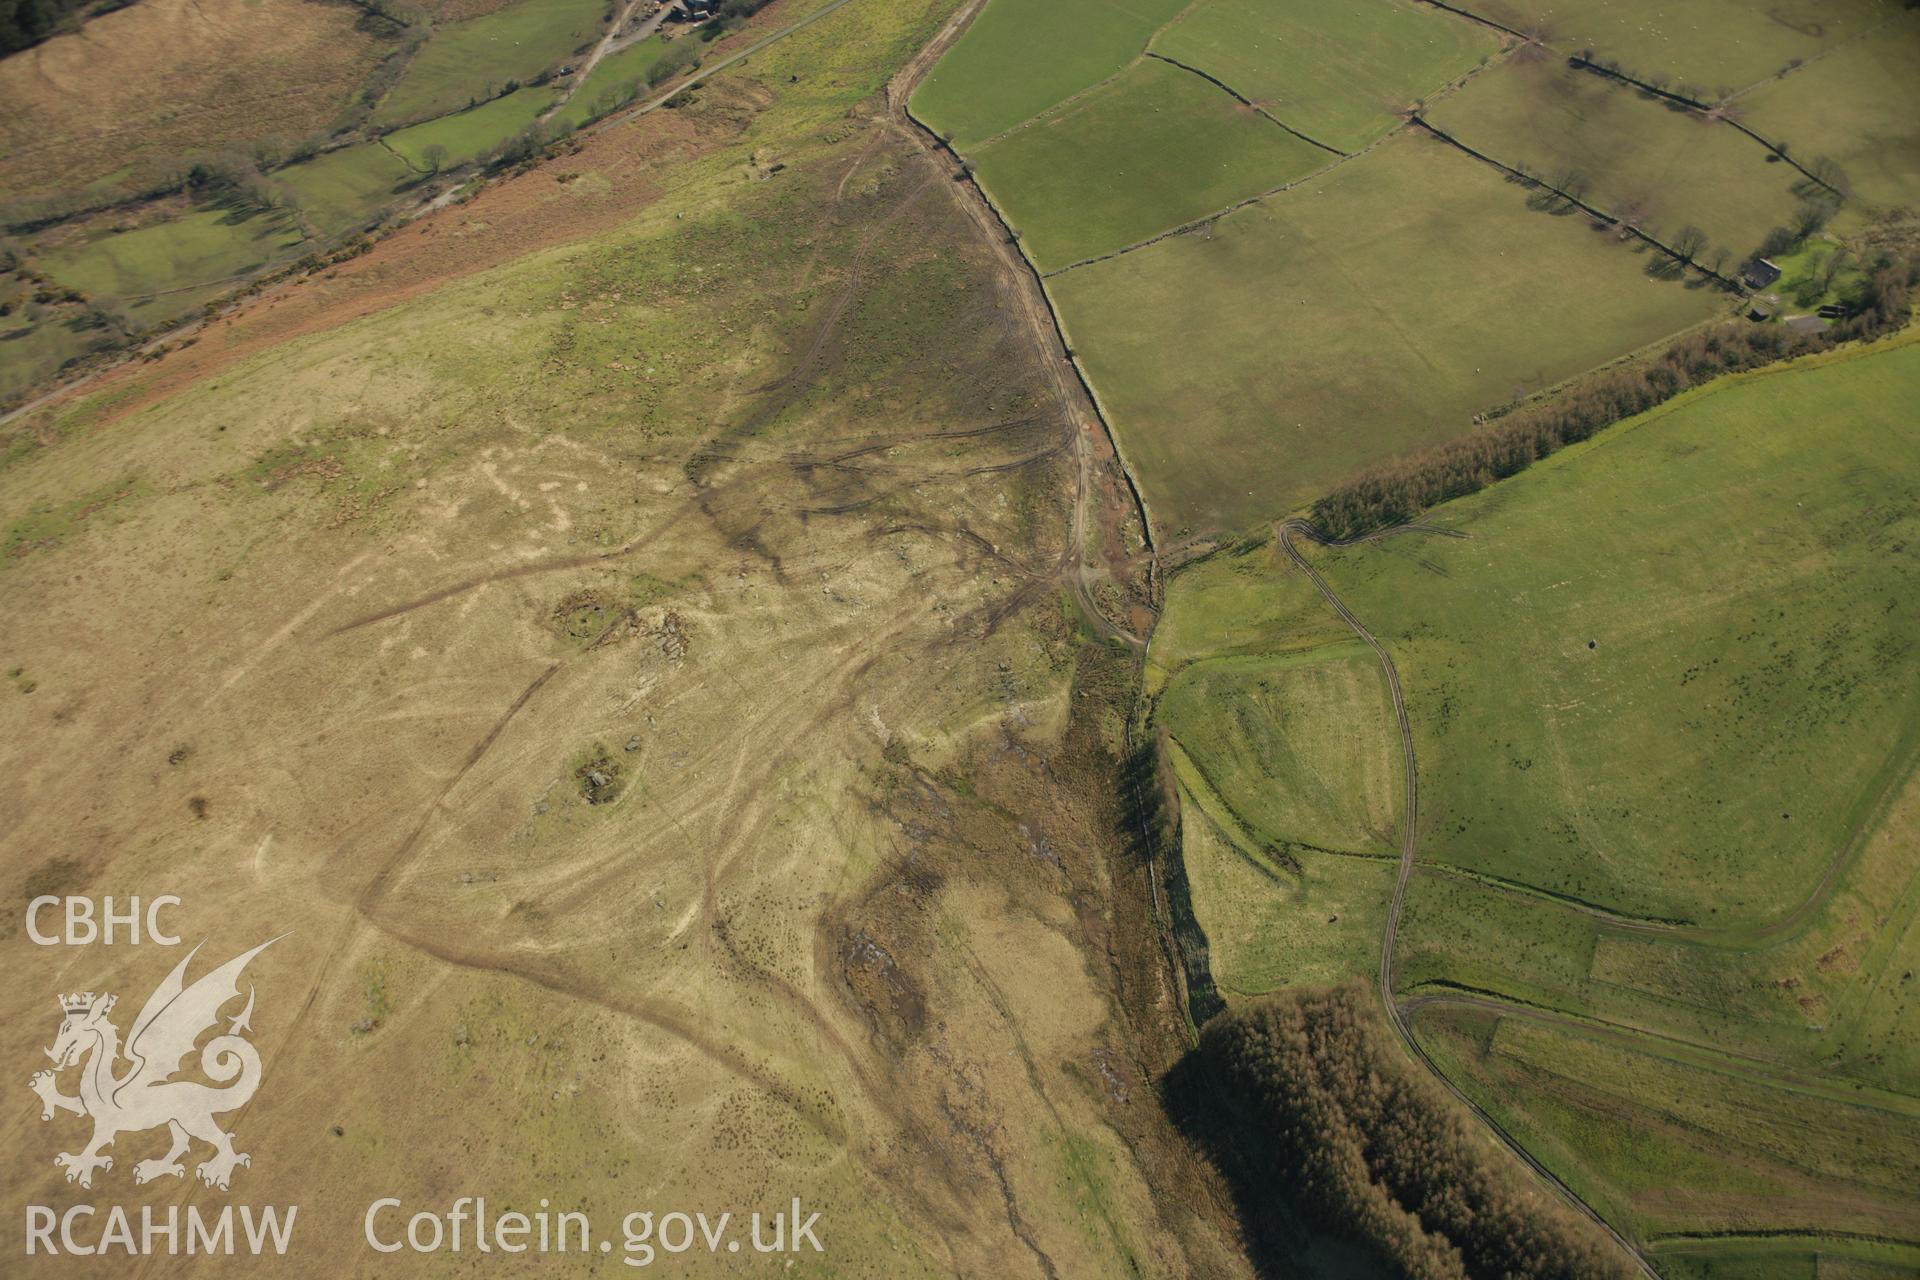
(1398, 491)
(1315, 1115)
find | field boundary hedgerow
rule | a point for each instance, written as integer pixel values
(1247, 102)
(1612, 220)
(1400, 490)
(1707, 111)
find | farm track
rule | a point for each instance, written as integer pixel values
(603, 47)
(705, 74)
(1409, 842)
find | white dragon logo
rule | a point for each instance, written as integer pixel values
(145, 1095)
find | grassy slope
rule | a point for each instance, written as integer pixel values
(1364, 313)
(345, 188)
(1268, 929)
(1623, 153)
(147, 84)
(1022, 56)
(475, 58)
(1592, 613)
(202, 247)
(1155, 148)
(1738, 558)
(1671, 1148)
(1303, 744)
(29, 353)
(1337, 70)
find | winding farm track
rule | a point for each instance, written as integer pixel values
(1409, 841)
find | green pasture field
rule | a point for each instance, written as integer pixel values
(1708, 47)
(1265, 929)
(1153, 149)
(1250, 366)
(464, 61)
(469, 134)
(615, 72)
(1238, 602)
(1300, 745)
(1340, 71)
(1856, 108)
(1673, 1146)
(1749, 623)
(1592, 688)
(1624, 152)
(1829, 994)
(1020, 57)
(344, 188)
(199, 248)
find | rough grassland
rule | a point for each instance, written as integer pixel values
(1020, 57)
(1623, 152)
(779, 440)
(1695, 634)
(1372, 310)
(474, 59)
(148, 84)
(1340, 71)
(1855, 107)
(1151, 150)
(1711, 46)
(467, 134)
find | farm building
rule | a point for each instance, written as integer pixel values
(1760, 273)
